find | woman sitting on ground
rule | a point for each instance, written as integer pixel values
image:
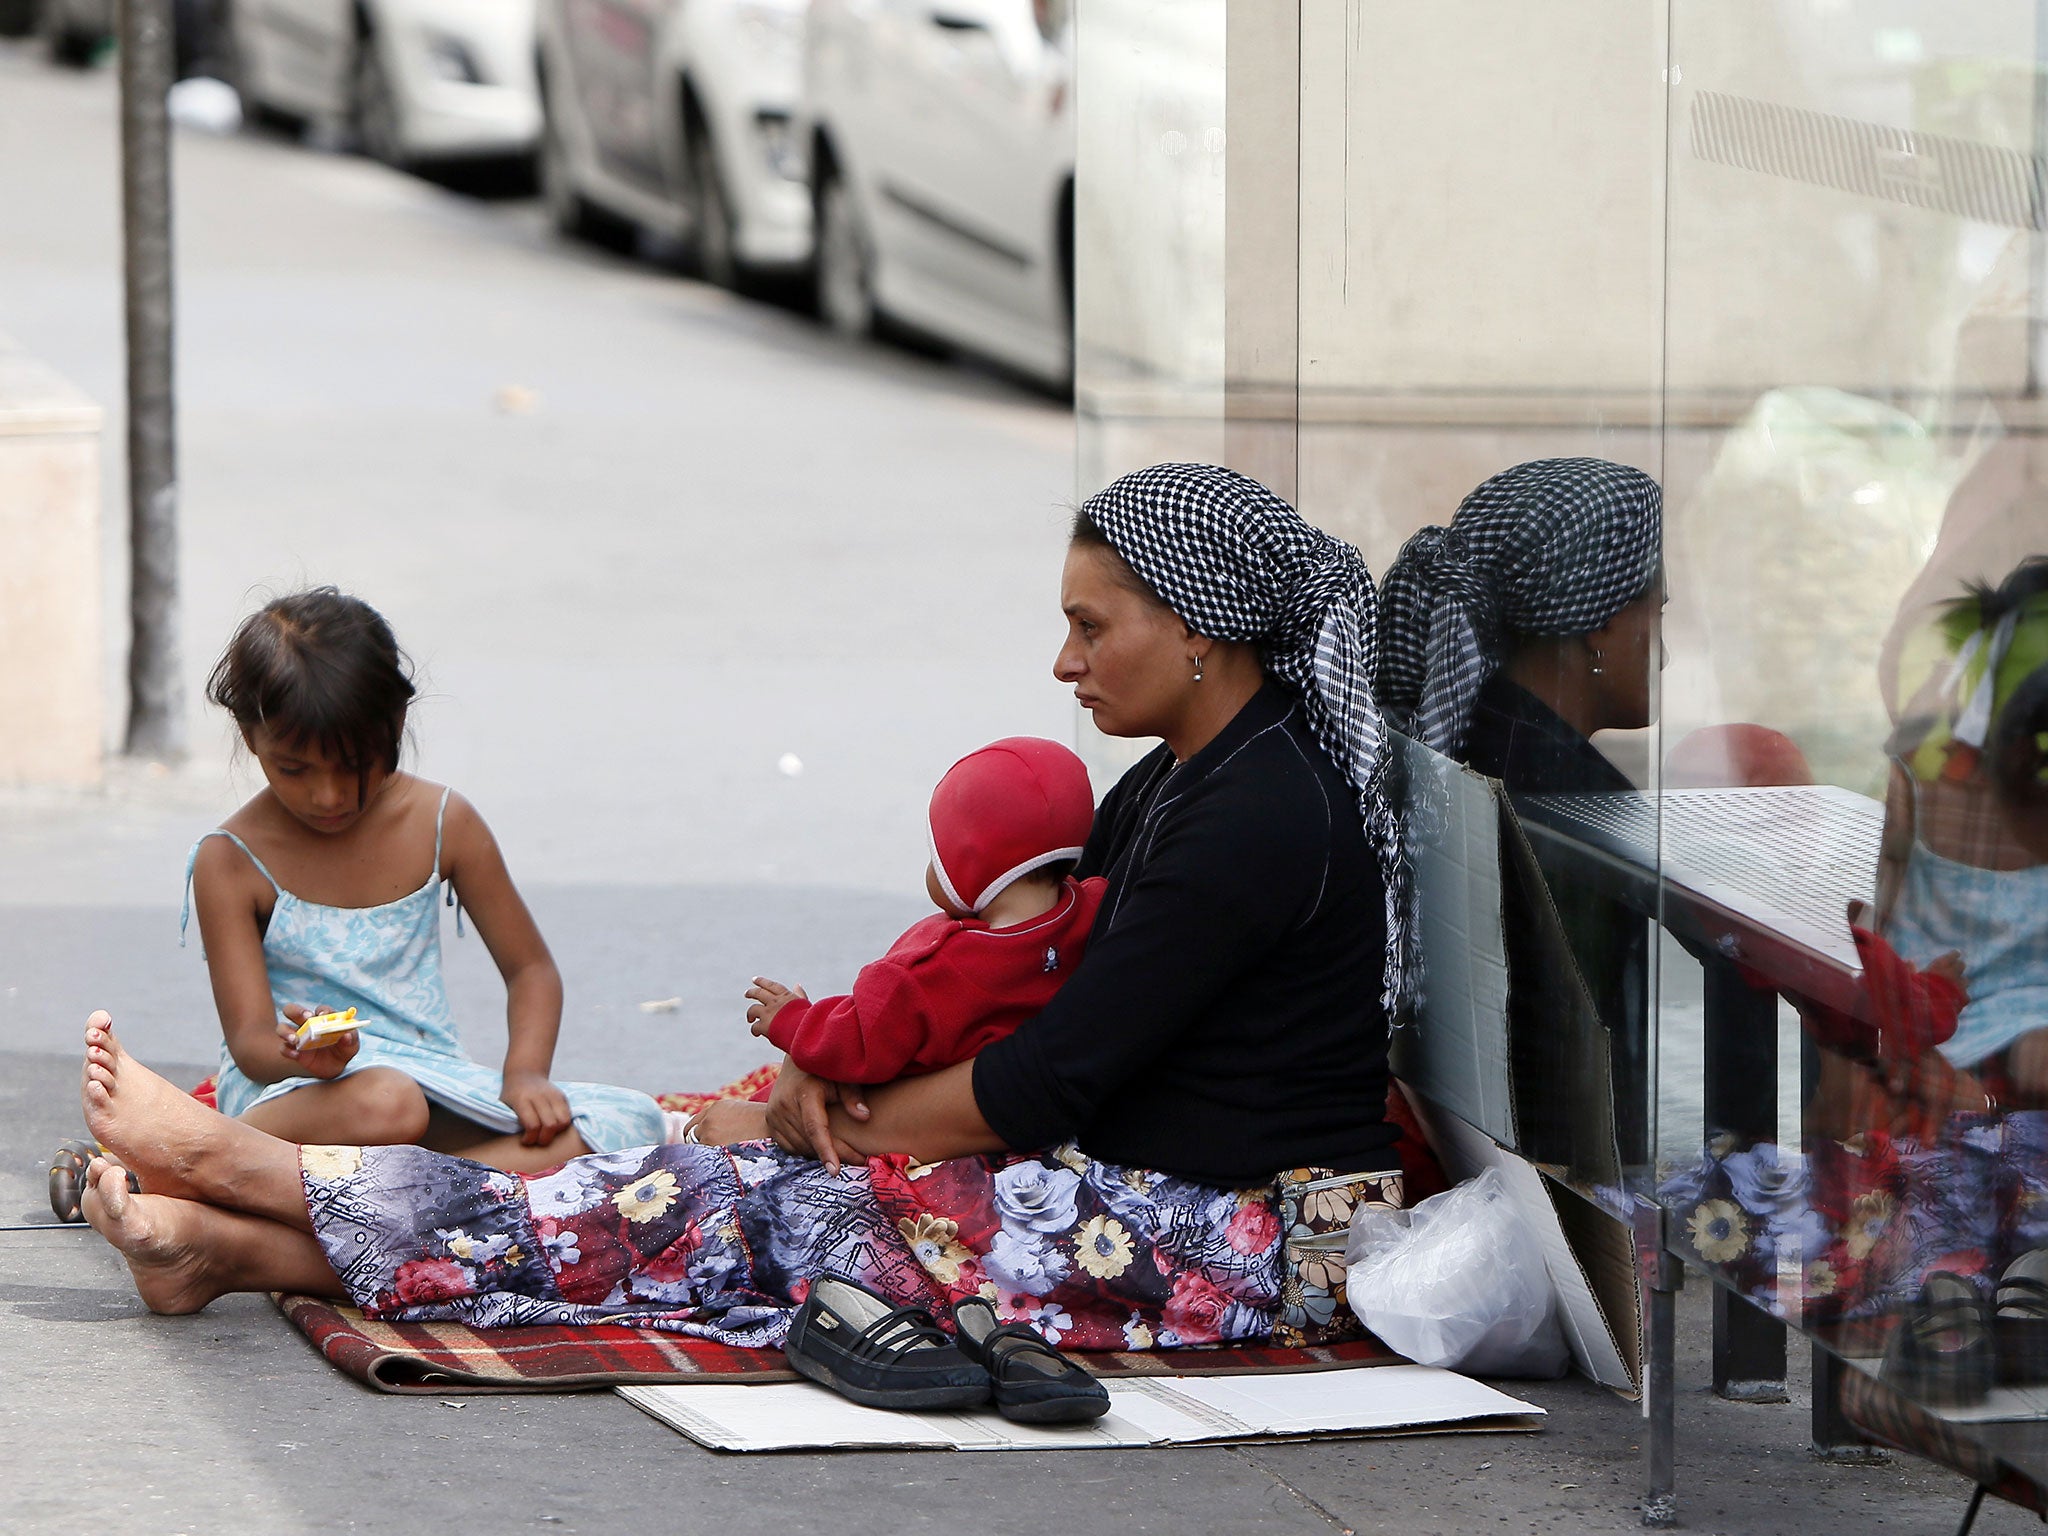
(1228, 1024)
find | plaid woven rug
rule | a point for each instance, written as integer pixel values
(453, 1358)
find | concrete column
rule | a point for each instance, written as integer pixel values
(51, 725)
(1262, 241)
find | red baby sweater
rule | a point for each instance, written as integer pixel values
(944, 990)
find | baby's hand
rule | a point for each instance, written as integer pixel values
(325, 1058)
(769, 998)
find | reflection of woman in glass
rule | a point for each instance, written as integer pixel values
(1508, 639)
(1528, 624)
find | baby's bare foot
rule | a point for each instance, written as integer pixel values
(174, 1144)
(157, 1235)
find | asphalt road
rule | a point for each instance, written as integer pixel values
(644, 539)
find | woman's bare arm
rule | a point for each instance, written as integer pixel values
(930, 1118)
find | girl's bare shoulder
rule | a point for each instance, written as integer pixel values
(467, 834)
(218, 864)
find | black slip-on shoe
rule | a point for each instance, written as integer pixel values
(1033, 1383)
(2020, 1320)
(1940, 1353)
(847, 1338)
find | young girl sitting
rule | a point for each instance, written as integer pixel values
(1007, 823)
(323, 893)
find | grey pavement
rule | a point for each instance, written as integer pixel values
(708, 536)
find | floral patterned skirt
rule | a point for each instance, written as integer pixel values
(1852, 1230)
(722, 1242)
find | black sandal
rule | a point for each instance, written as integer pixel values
(2020, 1319)
(847, 1338)
(68, 1165)
(1033, 1382)
(1941, 1351)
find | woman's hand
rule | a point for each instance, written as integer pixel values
(770, 998)
(324, 1059)
(542, 1108)
(723, 1122)
(799, 1118)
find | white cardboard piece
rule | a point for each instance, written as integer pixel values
(1143, 1411)
(1457, 1056)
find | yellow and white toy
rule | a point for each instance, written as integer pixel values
(320, 1028)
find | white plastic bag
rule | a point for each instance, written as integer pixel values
(1459, 1281)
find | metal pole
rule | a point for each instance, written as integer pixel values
(156, 697)
(1660, 1388)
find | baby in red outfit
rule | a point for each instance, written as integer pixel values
(1007, 824)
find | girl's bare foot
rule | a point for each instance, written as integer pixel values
(157, 1235)
(174, 1144)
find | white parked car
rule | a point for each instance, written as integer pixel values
(939, 137)
(674, 116)
(420, 80)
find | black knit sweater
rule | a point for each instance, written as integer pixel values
(1226, 1023)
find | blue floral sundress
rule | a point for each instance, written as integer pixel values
(385, 962)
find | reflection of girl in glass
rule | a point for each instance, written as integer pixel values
(1965, 864)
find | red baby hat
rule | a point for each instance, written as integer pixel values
(1014, 806)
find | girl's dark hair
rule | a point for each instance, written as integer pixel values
(2016, 754)
(319, 668)
(1988, 604)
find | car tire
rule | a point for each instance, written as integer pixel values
(18, 18)
(843, 268)
(712, 248)
(573, 215)
(232, 67)
(373, 107)
(67, 45)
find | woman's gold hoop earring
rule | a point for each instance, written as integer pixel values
(1198, 669)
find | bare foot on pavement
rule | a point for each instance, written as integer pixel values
(155, 1235)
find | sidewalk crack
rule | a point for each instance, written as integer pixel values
(1305, 1500)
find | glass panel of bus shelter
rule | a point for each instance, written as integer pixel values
(1149, 206)
(1480, 286)
(1856, 704)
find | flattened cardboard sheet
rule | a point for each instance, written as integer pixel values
(1143, 1411)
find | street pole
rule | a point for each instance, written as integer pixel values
(156, 697)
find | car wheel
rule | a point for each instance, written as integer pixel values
(375, 106)
(845, 263)
(711, 228)
(573, 215)
(231, 64)
(17, 18)
(67, 43)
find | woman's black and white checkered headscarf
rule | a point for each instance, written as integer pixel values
(1552, 547)
(1235, 562)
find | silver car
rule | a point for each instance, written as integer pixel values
(674, 117)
